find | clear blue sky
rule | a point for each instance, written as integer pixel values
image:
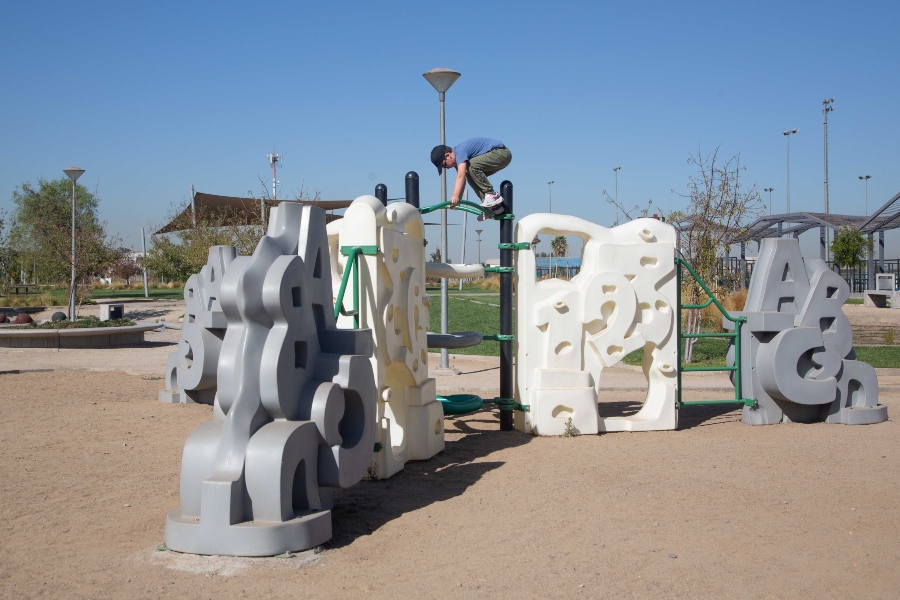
(152, 97)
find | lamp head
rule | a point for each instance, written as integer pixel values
(73, 173)
(441, 78)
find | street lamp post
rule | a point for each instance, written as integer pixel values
(144, 261)
(866, 178)
(478, 231)
(441, 79)
(550, 191)
(827, 107)
(788, 133)
(770, 190)
(870, 264)
(73, 173)
(616, 171)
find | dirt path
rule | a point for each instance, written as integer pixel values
(89, 465)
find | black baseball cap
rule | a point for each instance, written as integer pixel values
(437, 156)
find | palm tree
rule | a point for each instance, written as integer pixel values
(559, 247)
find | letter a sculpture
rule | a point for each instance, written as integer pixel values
(294, 409)
(798, 344)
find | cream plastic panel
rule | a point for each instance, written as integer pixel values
(393, 304)
(568, 332)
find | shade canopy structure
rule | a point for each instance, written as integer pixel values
(235, 211)
(887, 217)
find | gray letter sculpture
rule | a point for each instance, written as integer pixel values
(191, 369)
(798, 344)
(294, 414)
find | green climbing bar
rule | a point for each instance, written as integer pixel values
(352, 253)
(735, 336)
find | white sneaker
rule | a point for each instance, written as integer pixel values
(491, 200)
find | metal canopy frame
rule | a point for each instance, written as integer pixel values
(796, 223)
(884, 218)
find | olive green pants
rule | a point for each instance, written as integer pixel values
(486, 164)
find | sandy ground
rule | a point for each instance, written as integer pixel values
(89, 466)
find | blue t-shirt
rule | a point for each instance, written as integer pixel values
(475, 147)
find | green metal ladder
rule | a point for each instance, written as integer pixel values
(734, 335)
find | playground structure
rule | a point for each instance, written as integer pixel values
(308, 380)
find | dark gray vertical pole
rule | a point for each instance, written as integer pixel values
(870, 267)
(881, 251)
(506, 308)
(144, 261)
(743, 264)
(381, 193)
(822, 249)
(412, 188)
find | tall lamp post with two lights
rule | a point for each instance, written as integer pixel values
(788, 133)
(866, 178)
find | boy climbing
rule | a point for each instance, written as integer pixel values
(474, 159)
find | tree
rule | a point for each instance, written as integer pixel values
(717, 207)
(177, 256)
(126, 266)
(5, 252)
(850, 246)
(559, 247)
(41, 231)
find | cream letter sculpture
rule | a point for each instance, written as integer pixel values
(568, 331)
(294, 416)
(410, 422)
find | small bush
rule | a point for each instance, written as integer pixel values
(571, 430)
(24, 300)
(731, 301)
(84, 323)
(491, 282)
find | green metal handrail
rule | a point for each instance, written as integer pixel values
(352, 253)
(735, 335)
(469, 207)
